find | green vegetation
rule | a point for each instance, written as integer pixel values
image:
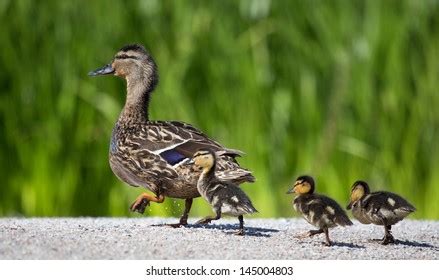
(341, 90)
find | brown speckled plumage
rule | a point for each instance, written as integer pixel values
(151, 153)
(134, 161)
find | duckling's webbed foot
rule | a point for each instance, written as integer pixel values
(240, 232)
(309, 233)
(327, 241)
(142, 201)
(388, 237)
(241, 226)
(209, 219)
(204, 221)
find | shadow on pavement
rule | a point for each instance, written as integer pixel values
(231, 229)
(415, 244)
(348, 245)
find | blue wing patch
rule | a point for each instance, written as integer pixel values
(172, 157)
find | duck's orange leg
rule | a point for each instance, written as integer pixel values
(142, 201)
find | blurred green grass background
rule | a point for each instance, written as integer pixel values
(341, 90)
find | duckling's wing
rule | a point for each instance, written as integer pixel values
(232, 197)
(334, 211)
(388, 206)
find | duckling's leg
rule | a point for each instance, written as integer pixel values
(241, 226)
(183, 218)
(142, 201)
(209, 219)
(309, 233)
(388, 237)
(328, 242)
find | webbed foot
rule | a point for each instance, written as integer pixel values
(388, 239)
(183, 222)
(139, 205)
(142, 201)
(240, 232)
(204, 221)
(308, 234)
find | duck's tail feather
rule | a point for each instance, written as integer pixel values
(237, 176)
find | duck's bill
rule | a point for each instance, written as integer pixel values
(349, 207)
(291, 190)
(107, 69)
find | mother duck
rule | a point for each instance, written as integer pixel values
(152, 154)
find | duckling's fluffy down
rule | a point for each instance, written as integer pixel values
(382, 208)
(321, 211)
(229, 199)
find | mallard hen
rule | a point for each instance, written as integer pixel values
(224, 197)
(318, 210)
(151, 153)
(379, 208)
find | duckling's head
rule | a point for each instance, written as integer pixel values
(303, 185)
(358, 191)
(133, 63)
(205, 159)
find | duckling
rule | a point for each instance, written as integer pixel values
(152, 154)
(379, 208)
(224, 197)
(318, 210)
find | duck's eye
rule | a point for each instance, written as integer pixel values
(125, 56)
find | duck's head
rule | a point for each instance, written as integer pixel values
(132, 62)
(358, 191)
(303, 185)
(205, 159)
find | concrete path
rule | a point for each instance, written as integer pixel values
(136, 238)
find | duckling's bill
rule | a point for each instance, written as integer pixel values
(105, 70)
(300, 187)
(188, 161)
(292, 190)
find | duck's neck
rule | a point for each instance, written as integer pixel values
(137, 101)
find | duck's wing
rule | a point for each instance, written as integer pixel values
(175, 141)
(139, 167)
(166, 145)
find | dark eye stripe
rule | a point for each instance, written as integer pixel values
(124, 56)
(201, 154)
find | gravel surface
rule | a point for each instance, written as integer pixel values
(137, 238)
